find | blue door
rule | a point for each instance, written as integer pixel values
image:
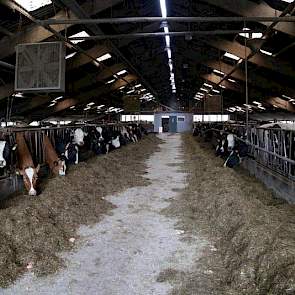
(173, 124)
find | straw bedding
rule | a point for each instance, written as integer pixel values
(252, 233)
(35, 229)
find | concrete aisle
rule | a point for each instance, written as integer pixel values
(126, 251)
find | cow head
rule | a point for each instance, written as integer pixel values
(60, 167)
(79, 137)
(30, 176)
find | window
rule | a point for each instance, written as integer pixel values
(211, 118)
(180, 118)
(131, 118)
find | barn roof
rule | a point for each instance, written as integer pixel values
(216, 58)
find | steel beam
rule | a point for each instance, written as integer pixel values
(248, 8)
(216, 80)
(89, 79)
(163, 34)
(259, 59)
(81, 13)
(92, 95)
(35, 33)
(281, 103)
(253, 78)
(208, 19)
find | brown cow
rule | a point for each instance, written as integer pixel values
(56, 165)
(26, 165)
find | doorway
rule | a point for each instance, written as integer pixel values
(165, 124)
(173, 124)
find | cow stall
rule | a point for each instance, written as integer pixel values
(51, 150)
(269, 156)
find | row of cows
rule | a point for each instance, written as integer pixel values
(224, 141)
(271, 145)
(60, 148)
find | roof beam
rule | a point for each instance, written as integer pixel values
(281, 103)
(215, 79)
(104, 74)
(78, 60)
(253, 78)
(82, 11)
(81, 59)
(84, 97)
(251, 9)
(35, 33)
(259, 59)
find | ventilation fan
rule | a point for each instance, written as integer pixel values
(40, 67)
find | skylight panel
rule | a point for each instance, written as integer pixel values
(71, 55)
(104, 57)
(121, 72)
(31, 5)
(266, 52)
(218, 72)
(208, 85)
(231, 56)
(250, 35)
(163, 8)
(111, 81)
(79, 35)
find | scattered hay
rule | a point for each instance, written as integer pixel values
(253, 233)
(34, 229)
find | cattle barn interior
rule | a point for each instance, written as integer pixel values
(147, 147)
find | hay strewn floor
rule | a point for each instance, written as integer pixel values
(34, 229)
(253, 233)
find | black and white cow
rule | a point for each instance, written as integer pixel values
(68, 147)
(4, 153)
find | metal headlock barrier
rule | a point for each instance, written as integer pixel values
(34, 140)
(273, 148)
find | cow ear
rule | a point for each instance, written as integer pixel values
(37, 168)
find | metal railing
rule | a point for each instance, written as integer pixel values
(273, 148)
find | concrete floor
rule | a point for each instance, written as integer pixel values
(126, 251)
